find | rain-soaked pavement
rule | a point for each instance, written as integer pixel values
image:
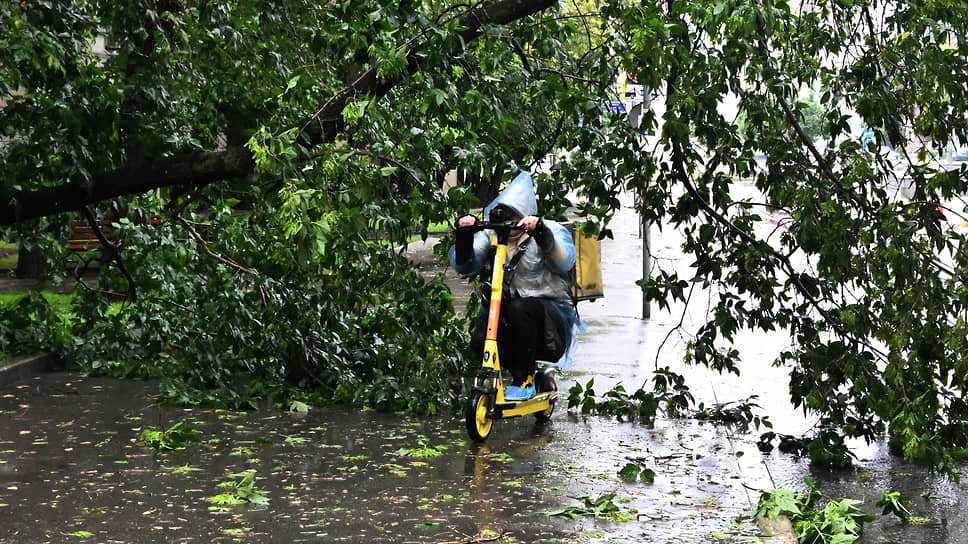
(73, 467)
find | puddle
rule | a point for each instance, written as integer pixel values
(72, 468)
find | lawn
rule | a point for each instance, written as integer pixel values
(8, 261)
(60, 303)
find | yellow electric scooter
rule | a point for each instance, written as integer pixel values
(486, 402)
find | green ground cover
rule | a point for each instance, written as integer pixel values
(60, 304)
(8, 261)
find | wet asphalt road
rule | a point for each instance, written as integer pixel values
(74, 470)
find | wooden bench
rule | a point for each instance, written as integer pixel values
(83, 237)
(85, 250)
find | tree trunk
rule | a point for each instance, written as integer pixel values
(31, 264)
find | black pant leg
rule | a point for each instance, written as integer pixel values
(520, 335)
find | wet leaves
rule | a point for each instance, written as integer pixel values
(632, 472)
(425, 449)
(501, 457)
(79, 534)
(181, 469)
(601, 507)
(299, 407)
(176, 437)
(395, 469)
(242, 491)
(345, 473)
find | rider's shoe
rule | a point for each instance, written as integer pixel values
(523, 391)
(519, 393)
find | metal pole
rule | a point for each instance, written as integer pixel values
(646, 262)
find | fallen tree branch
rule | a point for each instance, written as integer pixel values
(200, 168)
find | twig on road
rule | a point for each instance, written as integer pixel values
(477, 538)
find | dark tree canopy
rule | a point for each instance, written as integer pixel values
(275, 142)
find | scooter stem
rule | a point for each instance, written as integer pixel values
(494, 310)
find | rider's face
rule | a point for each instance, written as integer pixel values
(516, 232)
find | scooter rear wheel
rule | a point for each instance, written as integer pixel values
(478, 423)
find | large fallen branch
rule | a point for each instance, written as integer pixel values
(200, 168)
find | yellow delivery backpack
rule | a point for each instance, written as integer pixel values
(586, 280)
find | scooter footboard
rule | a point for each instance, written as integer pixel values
(539, 403)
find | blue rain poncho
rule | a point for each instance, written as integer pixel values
(541, 274)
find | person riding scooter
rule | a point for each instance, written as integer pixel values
(537, 317)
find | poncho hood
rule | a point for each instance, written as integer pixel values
(518, 195)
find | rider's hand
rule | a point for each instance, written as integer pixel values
(539, 231)
(529, 222)
(464, 240)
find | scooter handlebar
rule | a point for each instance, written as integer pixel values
(490, 225)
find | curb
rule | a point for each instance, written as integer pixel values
(25, 367)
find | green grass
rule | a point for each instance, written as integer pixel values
(9, 261)
(60, 303)
(432, 228)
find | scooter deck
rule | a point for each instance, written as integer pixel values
(538, 403)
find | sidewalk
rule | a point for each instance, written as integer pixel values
(15, 285)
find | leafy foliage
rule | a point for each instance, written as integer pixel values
(894, 503)
(738, 413)
(670, 393)
(32, 323)
(633, 471)
(865, 278)
(269, 274)
(824, 446)
(242, 491)
(601, 507)
(838, 521)
(425, 449)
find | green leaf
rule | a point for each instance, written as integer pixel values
(778, 501)
(299, 407)
(630, 472)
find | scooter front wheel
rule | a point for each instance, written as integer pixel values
(478, 422)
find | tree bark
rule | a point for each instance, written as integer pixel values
(31, 264)
(200, 168)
